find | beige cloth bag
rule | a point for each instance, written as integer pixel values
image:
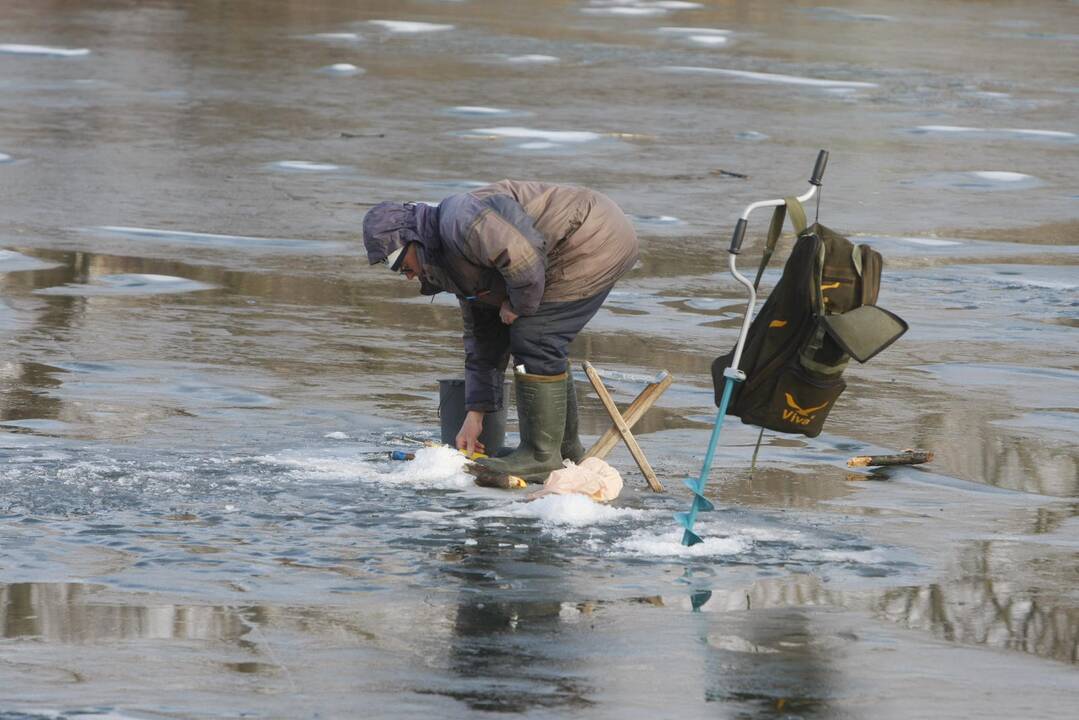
(593, 477)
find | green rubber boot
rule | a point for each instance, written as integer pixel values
(541, 418)
(571, 440)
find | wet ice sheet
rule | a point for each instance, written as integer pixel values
(113, 396)
(235, 490)
(779, 78)
(1037, 293)
(128, 284)
(336, 37)
(978, 180)
(533, 139)
(306, 166)
(42, 51)
(341, 70)
(961, 249)
(832, 13)
(533, 59)
(224, 242)
(637, 8)
(712, 37)
(1055, 387)
(993, 133)
(11, 261)
(410, 27)
(552, 137)
(479, 111)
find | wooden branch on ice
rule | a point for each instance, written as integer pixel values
(907, 457)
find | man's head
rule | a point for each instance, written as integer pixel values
(392, 235)
(387, 229)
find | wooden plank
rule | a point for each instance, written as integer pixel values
(636, 410)
(623, 429)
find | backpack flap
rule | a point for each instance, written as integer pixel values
(864, 331)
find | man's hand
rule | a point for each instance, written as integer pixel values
(506, 313)
(468, 437)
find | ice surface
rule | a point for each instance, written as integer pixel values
(709, 39)
(11, 261)
(657, 220)
(433, 467)
(571, 510)
(410, 27)
(624, 11)
(532, 59)
(668, 543)
(43, 50)
(477, 110)
(833, 13)
(978, 180)
(637, 8)
(214, 240)
(129, 284)
(551, 136)
(694, 31)
(773, 77)
(336, 37)
(306, 166)
(341, 70)
(1002, 176)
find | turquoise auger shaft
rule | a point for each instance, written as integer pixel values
(700, 502)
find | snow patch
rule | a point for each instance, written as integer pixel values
(410, 27)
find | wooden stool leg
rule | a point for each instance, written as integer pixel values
(623, 429)
(636, 410)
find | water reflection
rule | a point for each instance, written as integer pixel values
(77, 613)
(504, 646)
(984, 604)
(768, 663)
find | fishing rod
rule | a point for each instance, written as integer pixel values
(733, 374)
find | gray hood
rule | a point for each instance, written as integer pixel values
(390, 226)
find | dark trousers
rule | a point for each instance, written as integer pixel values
(541, 341)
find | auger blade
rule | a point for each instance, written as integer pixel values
(684, 520)
(690, 538)
(700, 502)
(703, 504)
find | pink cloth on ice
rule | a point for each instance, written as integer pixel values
(593, 477)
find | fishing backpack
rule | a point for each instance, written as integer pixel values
(820, 314)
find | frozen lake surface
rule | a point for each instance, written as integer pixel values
(201, 376)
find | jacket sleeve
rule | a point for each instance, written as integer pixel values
(504, 237)
(487, 351)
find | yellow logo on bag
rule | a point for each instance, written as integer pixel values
(799, 415)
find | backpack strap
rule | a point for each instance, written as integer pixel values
(798, 220)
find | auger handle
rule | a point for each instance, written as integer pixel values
(815, 182)
(818, 168)
(738, 237)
